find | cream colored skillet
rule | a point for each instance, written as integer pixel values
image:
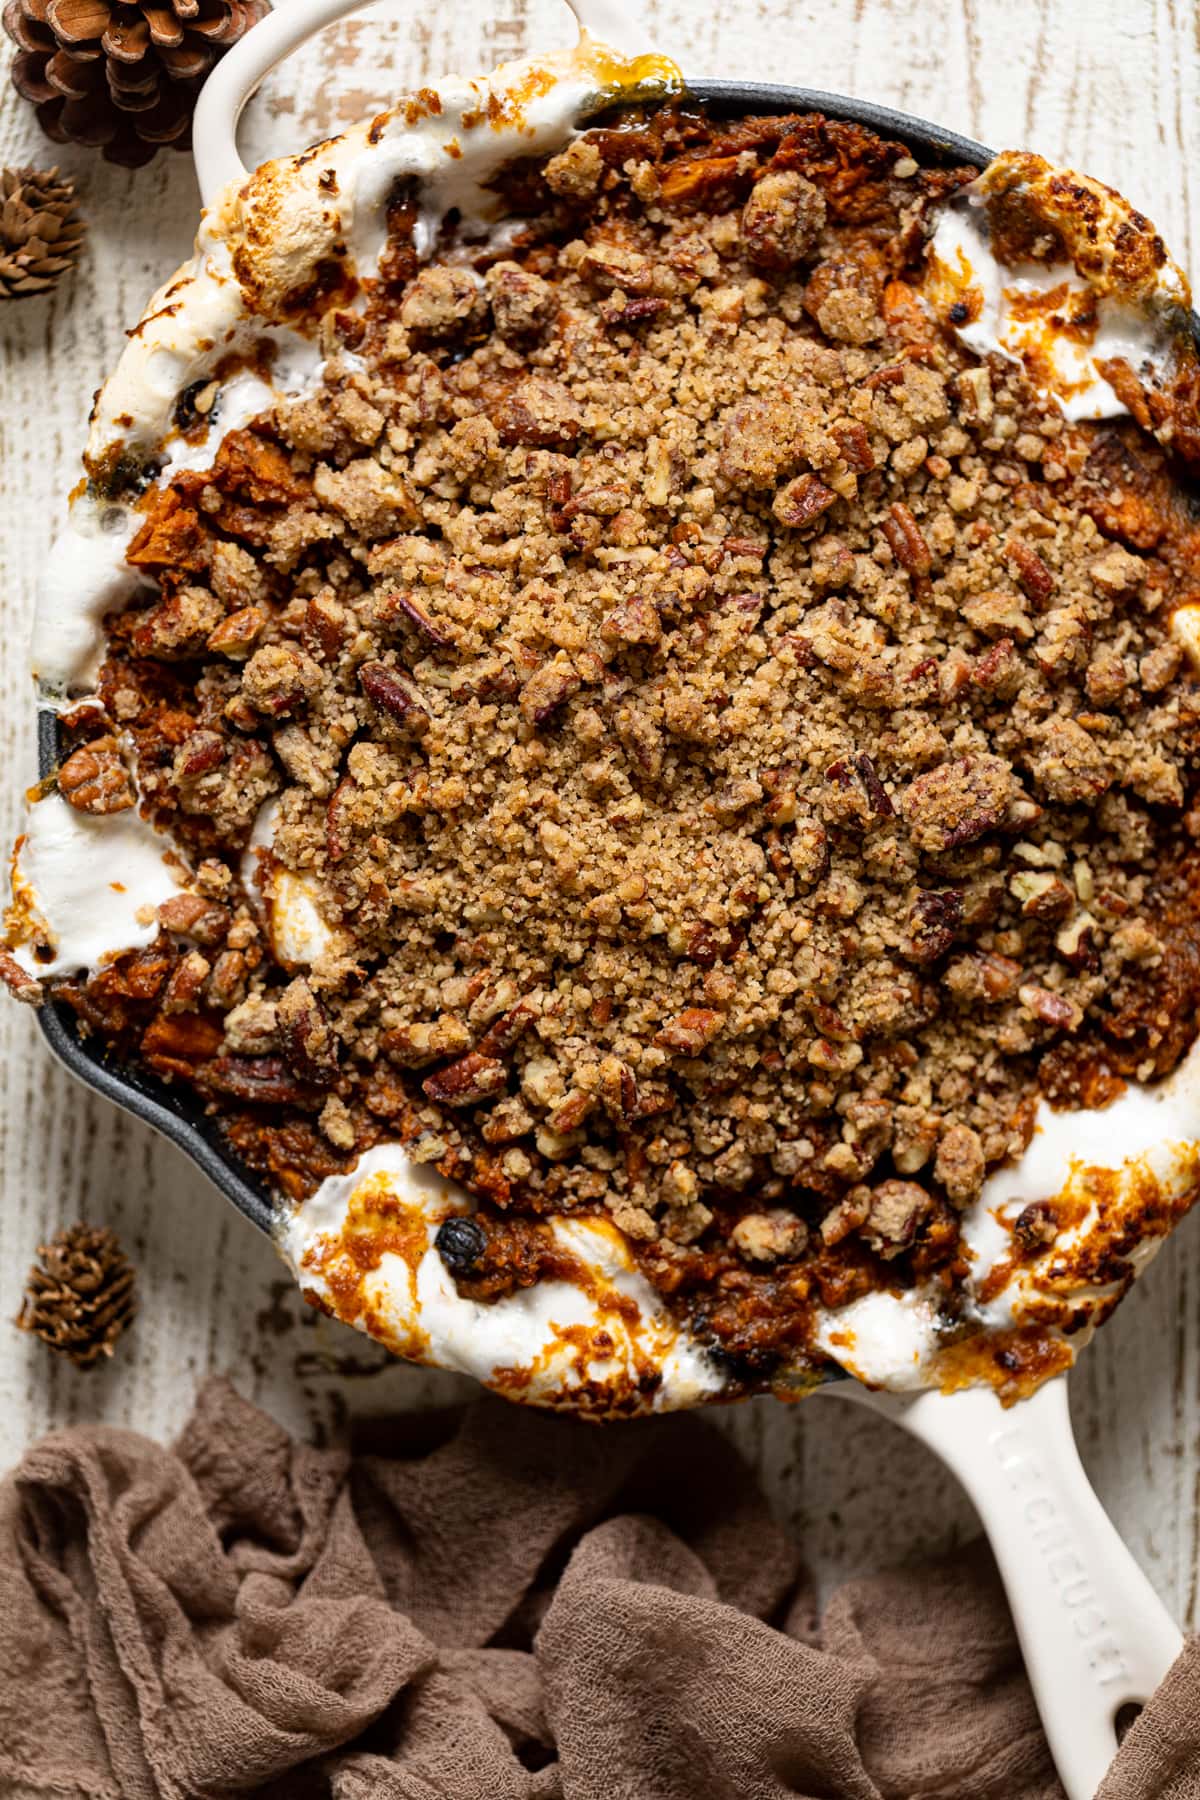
(1095, 1636)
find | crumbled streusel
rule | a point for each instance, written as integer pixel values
(735, 732)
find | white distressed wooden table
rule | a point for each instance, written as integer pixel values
(1112, 87)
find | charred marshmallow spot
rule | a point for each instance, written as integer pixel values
(1048, 316)
(1113, 1183)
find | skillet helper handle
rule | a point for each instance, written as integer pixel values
(292, 23)
(1094, 1634)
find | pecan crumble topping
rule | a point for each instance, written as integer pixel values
(734, 735)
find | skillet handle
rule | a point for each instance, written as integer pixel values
(1094, 1634)
(225, 93)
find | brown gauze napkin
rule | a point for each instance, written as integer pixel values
(493, 1606)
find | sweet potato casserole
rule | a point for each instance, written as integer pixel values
(736, 745)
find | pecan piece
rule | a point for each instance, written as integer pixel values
(410, 612)
(20, 985)
(906, 541)
(199, 753)
(396, 694)
(618, 1089)
(503, 1032)
(855, 445)
(958, 802)
(854, 795)
(1041, 894)
(466, 1082)
(782, 219)
(257, 1080)
(337, 818)
(1033, 577)
(933, 922)
(191, 915)
(1052, 1009)
(95, 780)
(547, 689)
(690, 1032)
(635, 622)
(424, 1042)
(237, 634)
(308, 1044)
(802, 501)
(897, 1209)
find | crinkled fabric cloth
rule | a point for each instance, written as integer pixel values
(497, 1606)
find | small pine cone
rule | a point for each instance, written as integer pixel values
(40, 231)
(80, 1298)
(121, 77)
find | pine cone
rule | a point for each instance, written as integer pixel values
(80, 1298)
(40, 231)
(122, 78)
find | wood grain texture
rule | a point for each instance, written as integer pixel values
(1113, 88)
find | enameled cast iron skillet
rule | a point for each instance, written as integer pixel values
(1096, 1638)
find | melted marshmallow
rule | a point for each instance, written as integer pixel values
(84, 577)
(543, 1342)
(90, 885)
(886, 1340)
(298, 930)
(1012, 315)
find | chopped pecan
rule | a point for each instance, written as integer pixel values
(609, 265)
(1033, 577)
(503, 1032)
(408, 610)
(258, 1081)
(466, 1082)
(906, 540)
(1041, 894)
(199, 753)
(633, 312)
(855, 446)
(782, 219)
(896, 1211)
(20, 985)
(547, 689)
(1000, 975)
(227, 983)
(179, 626)
(308, 1044)
(1034, 1228)
(337, 818)
(802, 501)
(636, 621)
(854, 795)
(521, 301)
(571, 1111)
(185, 988)
(933, 922)
(95, 780)
(278, 679)
(1052, 1009)
(191, 915)
(424, 1042)
(237, 633)
(618, 1089)
(958, 802)
(691, 1032)
(395, 693)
